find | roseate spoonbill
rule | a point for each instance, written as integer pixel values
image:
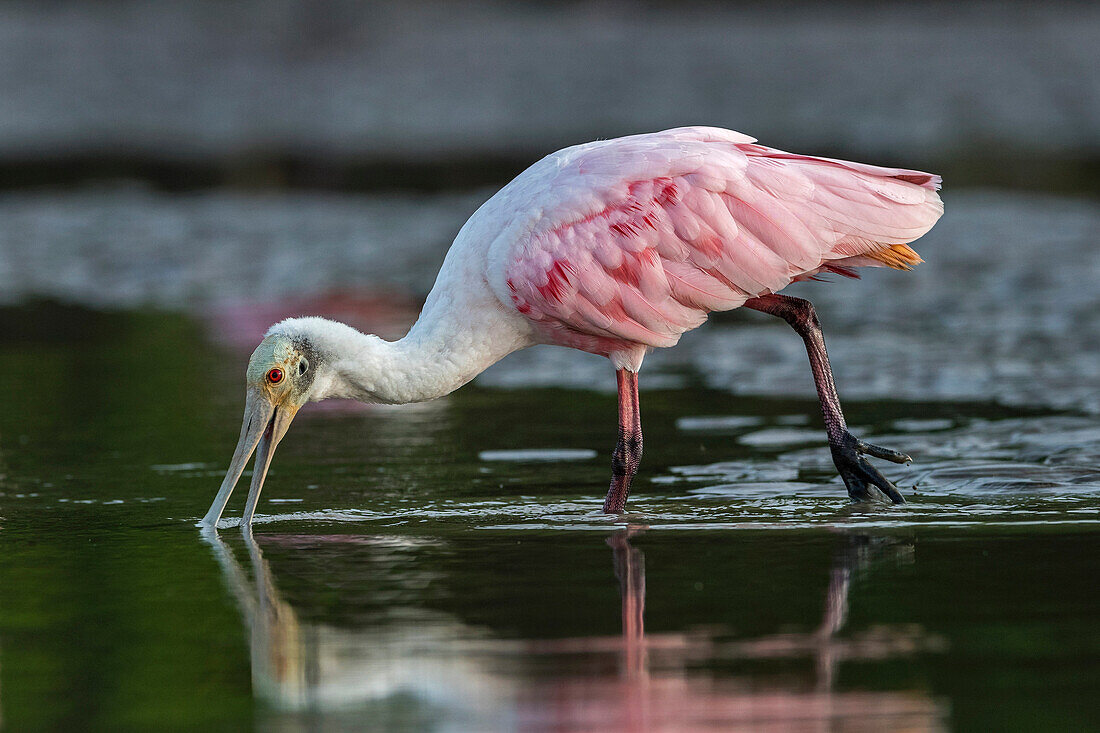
(614, 247)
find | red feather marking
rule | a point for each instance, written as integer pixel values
(521, 306)
(918, 178)
(627, 273)
(668, 195)
(638, 212)
(615, 311)
(710, 246)
(632, 206)
(625, 228)
(557, 280)
(842, 270)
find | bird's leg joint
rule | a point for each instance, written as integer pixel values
(801, 315)
(627, 455)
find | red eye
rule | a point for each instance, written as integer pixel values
(275, 376)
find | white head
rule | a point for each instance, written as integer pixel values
(293, 365)
(303, 360)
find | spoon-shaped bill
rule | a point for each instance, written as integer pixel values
(274, 433)
(257, 415)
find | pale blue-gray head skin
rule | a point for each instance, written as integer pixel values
(278, 382)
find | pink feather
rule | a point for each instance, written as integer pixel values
(637, 239)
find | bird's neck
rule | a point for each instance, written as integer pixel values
(412, 369)
(440, 353)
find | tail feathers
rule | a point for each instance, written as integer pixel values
(897, 256)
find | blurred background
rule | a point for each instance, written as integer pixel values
(176, 176)
(200, 156)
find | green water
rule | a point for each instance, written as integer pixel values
(398, 580)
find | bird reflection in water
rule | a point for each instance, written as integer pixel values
(664, 684)
(444, 670)
(420, 666)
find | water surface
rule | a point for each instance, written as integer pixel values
(447, 567)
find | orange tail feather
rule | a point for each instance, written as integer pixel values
(897, 256)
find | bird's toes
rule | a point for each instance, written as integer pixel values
(864, 481)
(872, 485)
(886, 454)
(857, 487)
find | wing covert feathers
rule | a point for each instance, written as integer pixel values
(635, 240)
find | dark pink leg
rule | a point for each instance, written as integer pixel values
(628, 451)
(859, 476)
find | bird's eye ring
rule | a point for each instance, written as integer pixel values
(275, 376)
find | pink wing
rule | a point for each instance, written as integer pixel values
(648, 234)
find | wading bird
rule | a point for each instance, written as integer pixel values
(615, 247)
